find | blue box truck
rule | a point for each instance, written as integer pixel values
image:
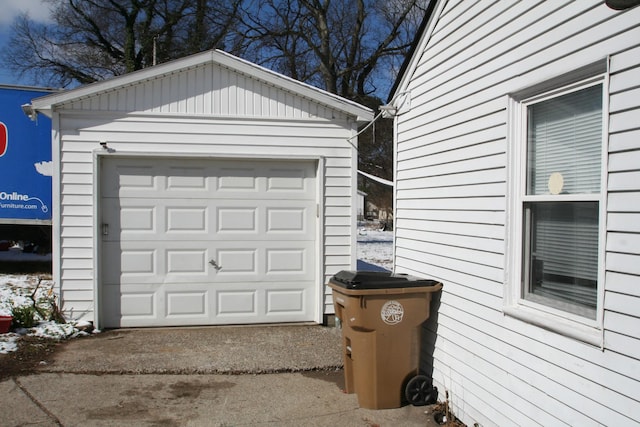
(25, 159)
(25, 182)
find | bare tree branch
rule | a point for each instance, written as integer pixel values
(90, 40)
(339, 44)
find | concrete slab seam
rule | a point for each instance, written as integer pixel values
(37, 402)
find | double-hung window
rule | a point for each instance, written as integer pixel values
(557, 201)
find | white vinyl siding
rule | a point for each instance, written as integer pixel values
(204, 112)
(622, 293)
(209, 89)
(451, 211)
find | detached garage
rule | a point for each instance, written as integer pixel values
(204, 191)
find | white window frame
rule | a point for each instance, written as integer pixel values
(560, 321)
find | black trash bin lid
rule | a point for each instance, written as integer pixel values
(356, 279)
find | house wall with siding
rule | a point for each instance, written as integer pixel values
(452, 217)
(208, 110)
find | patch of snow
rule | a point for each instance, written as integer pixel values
(55, 330)
(15, 291)
(375, 249)
(8, 343)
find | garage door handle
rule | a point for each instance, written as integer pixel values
(215, 265)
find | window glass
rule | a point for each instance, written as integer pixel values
(562, 255)
(560, 234)
(564, 143)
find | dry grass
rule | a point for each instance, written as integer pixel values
(443, 414)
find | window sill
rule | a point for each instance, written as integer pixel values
(566, 327)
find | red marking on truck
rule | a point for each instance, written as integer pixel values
(4, 139)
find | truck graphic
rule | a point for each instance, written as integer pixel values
(25, 159)
(4, 138)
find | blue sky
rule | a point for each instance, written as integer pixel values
(37, 10)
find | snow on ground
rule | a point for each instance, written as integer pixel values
(374, 252)
(375, 249)
(15, 292)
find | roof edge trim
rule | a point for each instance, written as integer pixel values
(47, 104)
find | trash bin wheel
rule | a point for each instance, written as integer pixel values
(420, 392)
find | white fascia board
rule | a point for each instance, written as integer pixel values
(47, 103)
(422, 44)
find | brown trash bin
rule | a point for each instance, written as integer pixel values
(382, 316)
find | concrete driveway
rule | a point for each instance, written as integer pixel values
(220, 376)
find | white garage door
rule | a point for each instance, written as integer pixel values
(206, 242)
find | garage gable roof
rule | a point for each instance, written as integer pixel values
(48, 104)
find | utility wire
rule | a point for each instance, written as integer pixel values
(371, 123)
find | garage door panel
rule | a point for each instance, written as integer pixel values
(129, 218)
(150, 178)
(141, 262)
(133, 307)
(263, 261)
(291, 301)
(197, 242)
(253, 179)
(187, 261)
(129, 264)
(139, 177)
(152, 220)
(237, 219)
(238, 180)
(137, 262)
(138, 305)
(286, 261)
(136, 178)
(257, 220)
(148, 305)
(185, 178)
(182, 219)
(157, 305)
(187, 304)
(290, 220)
(132, 219)
(140, 219)
(237, 304)
(237, 261)
(128, 177)
(286, 180)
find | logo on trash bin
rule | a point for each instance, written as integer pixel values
(392, 312)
